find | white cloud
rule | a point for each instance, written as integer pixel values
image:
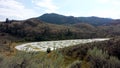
(47, 5)
(103, 1)
(14, 9)
(112, 2)
(109, 13)
(110, 8)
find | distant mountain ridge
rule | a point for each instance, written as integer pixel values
(95, 20)
(61, 19)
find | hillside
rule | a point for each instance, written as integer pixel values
(97, 21)
(36, 30)
(61, 19)
(31, 28)
(115, 22)
(96, 54)
(112, 46)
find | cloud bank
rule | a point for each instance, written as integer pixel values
(47, 5)
(15, 10)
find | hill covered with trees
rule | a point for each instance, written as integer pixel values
(61, 19)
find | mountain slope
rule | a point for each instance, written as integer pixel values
(36, 30)
(61, 19)
(58, 19)
(95, 20)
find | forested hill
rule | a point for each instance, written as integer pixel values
(35, 29)
(61, 19)
(95, 20)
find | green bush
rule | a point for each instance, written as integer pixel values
(100, 59)
(96, 58)
(32, 60)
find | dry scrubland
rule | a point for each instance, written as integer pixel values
(91, 55)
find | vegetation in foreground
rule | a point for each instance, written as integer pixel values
(105, 54)
(91, 55)
(32, 60)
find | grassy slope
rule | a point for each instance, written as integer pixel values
(95, 55)
(80, 51)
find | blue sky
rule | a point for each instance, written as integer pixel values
(24, 9)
